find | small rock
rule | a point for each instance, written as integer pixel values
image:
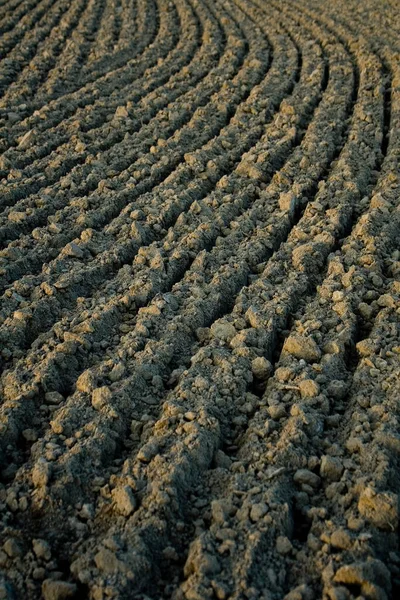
(331, 468)
(53, 398)
(306, 477)
(121, 112)
(258, 511)
(72, 249)
(58, 590)
(308, 388)
(117, 372)
(101, 397)
(277, 411)
(124, 499)
(223, 330)
(42, 549)
(381, 509)
(12, 548)
(302, 347)
(86, 382)
(41, 473)
(26, 140)
(341, 539)
(283, 545)
(287, 202)
(147, 452)
(220, 510)
(107, 561)
(30, 435)
(261, 368)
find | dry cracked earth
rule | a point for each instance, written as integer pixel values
(199, 313)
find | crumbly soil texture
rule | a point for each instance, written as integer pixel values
(199, 299)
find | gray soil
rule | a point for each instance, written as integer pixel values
(199, 299)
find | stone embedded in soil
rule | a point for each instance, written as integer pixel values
(86, 382)
(261, 368)
(341, 539)
(72, 249)
(223, 330)
(283, 545)
(308, 388)
(101, 397)
(125, 500)
(302, 347)
(53, 398)
(258, 511)
(58, 590)
(41, 549)
(331, 468)
(380, 508)
(12, 548)
(306, 477)
(372, 571)
(41, 473)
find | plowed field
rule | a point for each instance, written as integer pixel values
(200, 299)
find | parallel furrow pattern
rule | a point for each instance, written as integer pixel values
(199, 310)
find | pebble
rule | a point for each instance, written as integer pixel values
(261, 368)
(42, 549)
(117, 372)
(302, 347)
(86, 382)
(30, 435)
(26, 140)
(277, 411)
(306, 477)
(58, 590)
(12, 548)
(331, 468)
(283, 545)
(124, 499)
(308, 388)
(258, 511)
(72, 249)
(341, 539)
(53, 398)
(101, 397)
(41, 473)
(223, 330)
(121, 112)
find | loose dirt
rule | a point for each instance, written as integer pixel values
(200, 299)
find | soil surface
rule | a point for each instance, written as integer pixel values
(200, 299)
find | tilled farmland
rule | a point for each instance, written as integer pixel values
(199, 313)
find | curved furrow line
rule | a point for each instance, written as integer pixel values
(202, 429)
(199, 330)
(128, 26)
(26, 22)
(256, 500)
(235, 121)
(107, 33)
(44, 59)
(46, 113)
(76, 51)
(17, 58)
(95, 134)
(94, 115)
(124, 247)
(195, 235)
(223, 67)
(13, 14)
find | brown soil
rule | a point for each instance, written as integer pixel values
(200, 299)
